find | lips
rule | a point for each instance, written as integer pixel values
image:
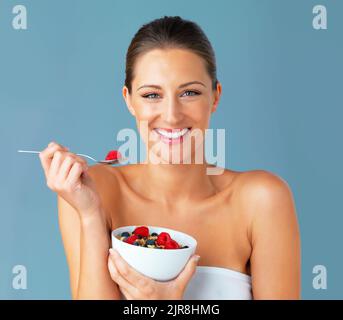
(172, 134)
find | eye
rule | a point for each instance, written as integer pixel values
(150, 96)
(191, 93)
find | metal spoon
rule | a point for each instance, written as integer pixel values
(82, 155)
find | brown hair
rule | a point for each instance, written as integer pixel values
(170, 32)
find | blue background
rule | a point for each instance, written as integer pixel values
(281, 107)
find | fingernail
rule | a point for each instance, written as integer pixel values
(197, 258)
(111, 251)
(50, 144)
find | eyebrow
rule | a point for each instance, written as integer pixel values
(181, 86)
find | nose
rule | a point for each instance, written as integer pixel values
(172, 111)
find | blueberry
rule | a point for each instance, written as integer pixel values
(136, 243)
(125, 234)
(154, 234)
(150, 242)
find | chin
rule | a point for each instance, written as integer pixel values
(171, 155)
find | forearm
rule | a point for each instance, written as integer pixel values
(94, 279)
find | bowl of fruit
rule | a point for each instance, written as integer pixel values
(156, 252)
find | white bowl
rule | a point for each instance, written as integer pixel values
(158, 264)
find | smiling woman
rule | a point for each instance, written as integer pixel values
(244, 222)
(175, 113)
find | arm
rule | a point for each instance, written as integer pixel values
(86, 243)
(83, 222)
(275, 259)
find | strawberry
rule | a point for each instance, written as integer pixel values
(131, 239)
(113, 155)
(163, 238)
(171, 244)
(142, 231)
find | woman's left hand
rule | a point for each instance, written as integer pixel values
(136, 286)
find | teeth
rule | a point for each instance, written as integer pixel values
(172, 134)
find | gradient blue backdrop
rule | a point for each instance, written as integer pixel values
(281, 106)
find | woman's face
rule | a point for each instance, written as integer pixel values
(172, 94)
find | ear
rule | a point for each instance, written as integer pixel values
(127, 98)
(217, 95)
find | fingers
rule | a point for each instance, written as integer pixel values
(135, 278)
(62, 168)
(65, 167)
(185, 276)
(126, 294)
(128, 289)
(47, 154)
(136, 286)
(74, 175)
(55, 164)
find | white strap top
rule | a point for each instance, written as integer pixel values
(214, 283)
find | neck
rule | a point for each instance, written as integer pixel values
(168, 183)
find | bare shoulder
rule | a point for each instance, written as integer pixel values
(102, 171)
(111, 181)
(267, 200)
(254, 184)
(103, 175)
(107, 183)
(98, 170)
(261, 187)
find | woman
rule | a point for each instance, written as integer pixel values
(245, 222)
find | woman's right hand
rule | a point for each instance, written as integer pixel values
(66, 174)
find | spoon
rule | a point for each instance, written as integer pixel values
(111, 161)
